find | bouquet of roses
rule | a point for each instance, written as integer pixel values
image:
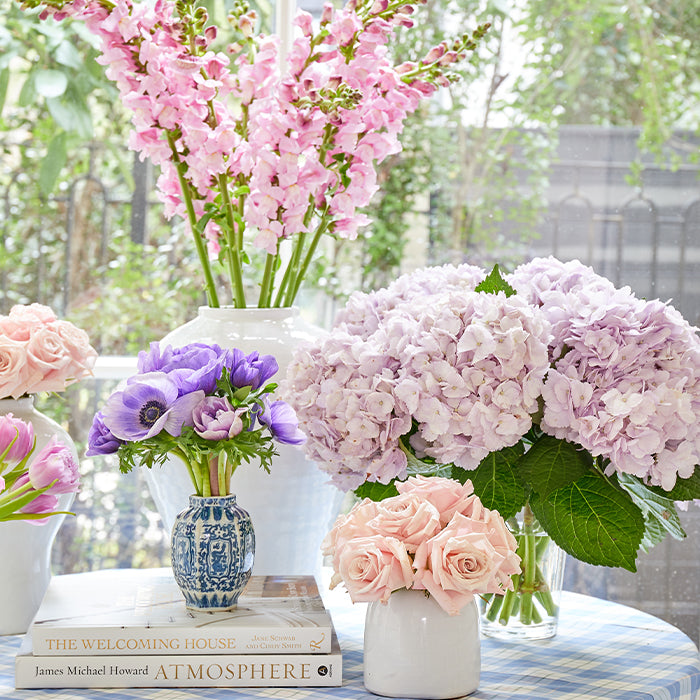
(31, 481)
(435, 535)
(210, 407)
(555, 393)
(39, 352)
(251, 155)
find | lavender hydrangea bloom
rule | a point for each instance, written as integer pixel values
(282, 422)
(628, 386)
(149, 404)
(467, 367)
(100, 439)
(215, 418)
(364, 314)
(193, 367)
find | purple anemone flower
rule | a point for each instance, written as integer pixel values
(282, 422)
(149, 404)
(100, 439)
(250, 370)
(193, 367)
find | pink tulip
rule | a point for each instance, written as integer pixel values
(55, 462)
(18, 436)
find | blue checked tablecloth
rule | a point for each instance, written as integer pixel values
(602, 650)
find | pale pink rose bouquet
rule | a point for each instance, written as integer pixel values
(262, 155)
(31, 480)
(40, 352)
(435, 535)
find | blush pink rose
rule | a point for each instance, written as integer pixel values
(372, 568)
(447, 495)
(463, 560)
(354, 524)
(15, 374)
(23, 319)
(47, 354)
(407, 517)
(77, 346)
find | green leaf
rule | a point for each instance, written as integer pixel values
(70, 116)
(4, 80)
(27, 94)
(496, 481)
(53, 162)
(659, 512)
(594, 521)
(67, 55)
(50, 83)
(376, 491)
(494, 283)
(551, 463)
(684, 489)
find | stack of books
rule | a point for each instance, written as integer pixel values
(130, 628)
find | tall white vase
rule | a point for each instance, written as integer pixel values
(25, 548)
(293, 506)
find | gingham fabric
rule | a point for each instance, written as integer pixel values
(602, 650)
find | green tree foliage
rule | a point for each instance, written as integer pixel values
(483, 153)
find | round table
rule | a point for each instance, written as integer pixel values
(602, 650)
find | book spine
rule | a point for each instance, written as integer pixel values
(294, 670)
(85, 641)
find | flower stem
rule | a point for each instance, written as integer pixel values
(180, 167)
(233, 254)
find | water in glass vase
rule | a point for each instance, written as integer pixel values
(531, 610)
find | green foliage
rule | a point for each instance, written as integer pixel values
(497, 482)
(593, 520)
(138, 296)
(495, 283)
(376, 491)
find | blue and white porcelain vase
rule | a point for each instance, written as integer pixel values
(213, 548)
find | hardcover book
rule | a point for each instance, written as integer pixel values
(142, 612)
(183, 670)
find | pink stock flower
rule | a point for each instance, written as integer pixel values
(16, 439)
(230, 120)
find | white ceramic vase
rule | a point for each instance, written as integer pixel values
(292, 507)
(414, 649)
(25, 547)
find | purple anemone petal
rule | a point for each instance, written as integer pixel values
(282, 421)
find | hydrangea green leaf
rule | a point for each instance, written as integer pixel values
(551, 463)
(593, 520)
(495, 283)
(496, 481)
(376, 491)
(659, 512)
(684, 490)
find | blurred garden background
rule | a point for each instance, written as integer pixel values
(574, 131)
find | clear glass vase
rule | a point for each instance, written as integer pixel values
(531, 610)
